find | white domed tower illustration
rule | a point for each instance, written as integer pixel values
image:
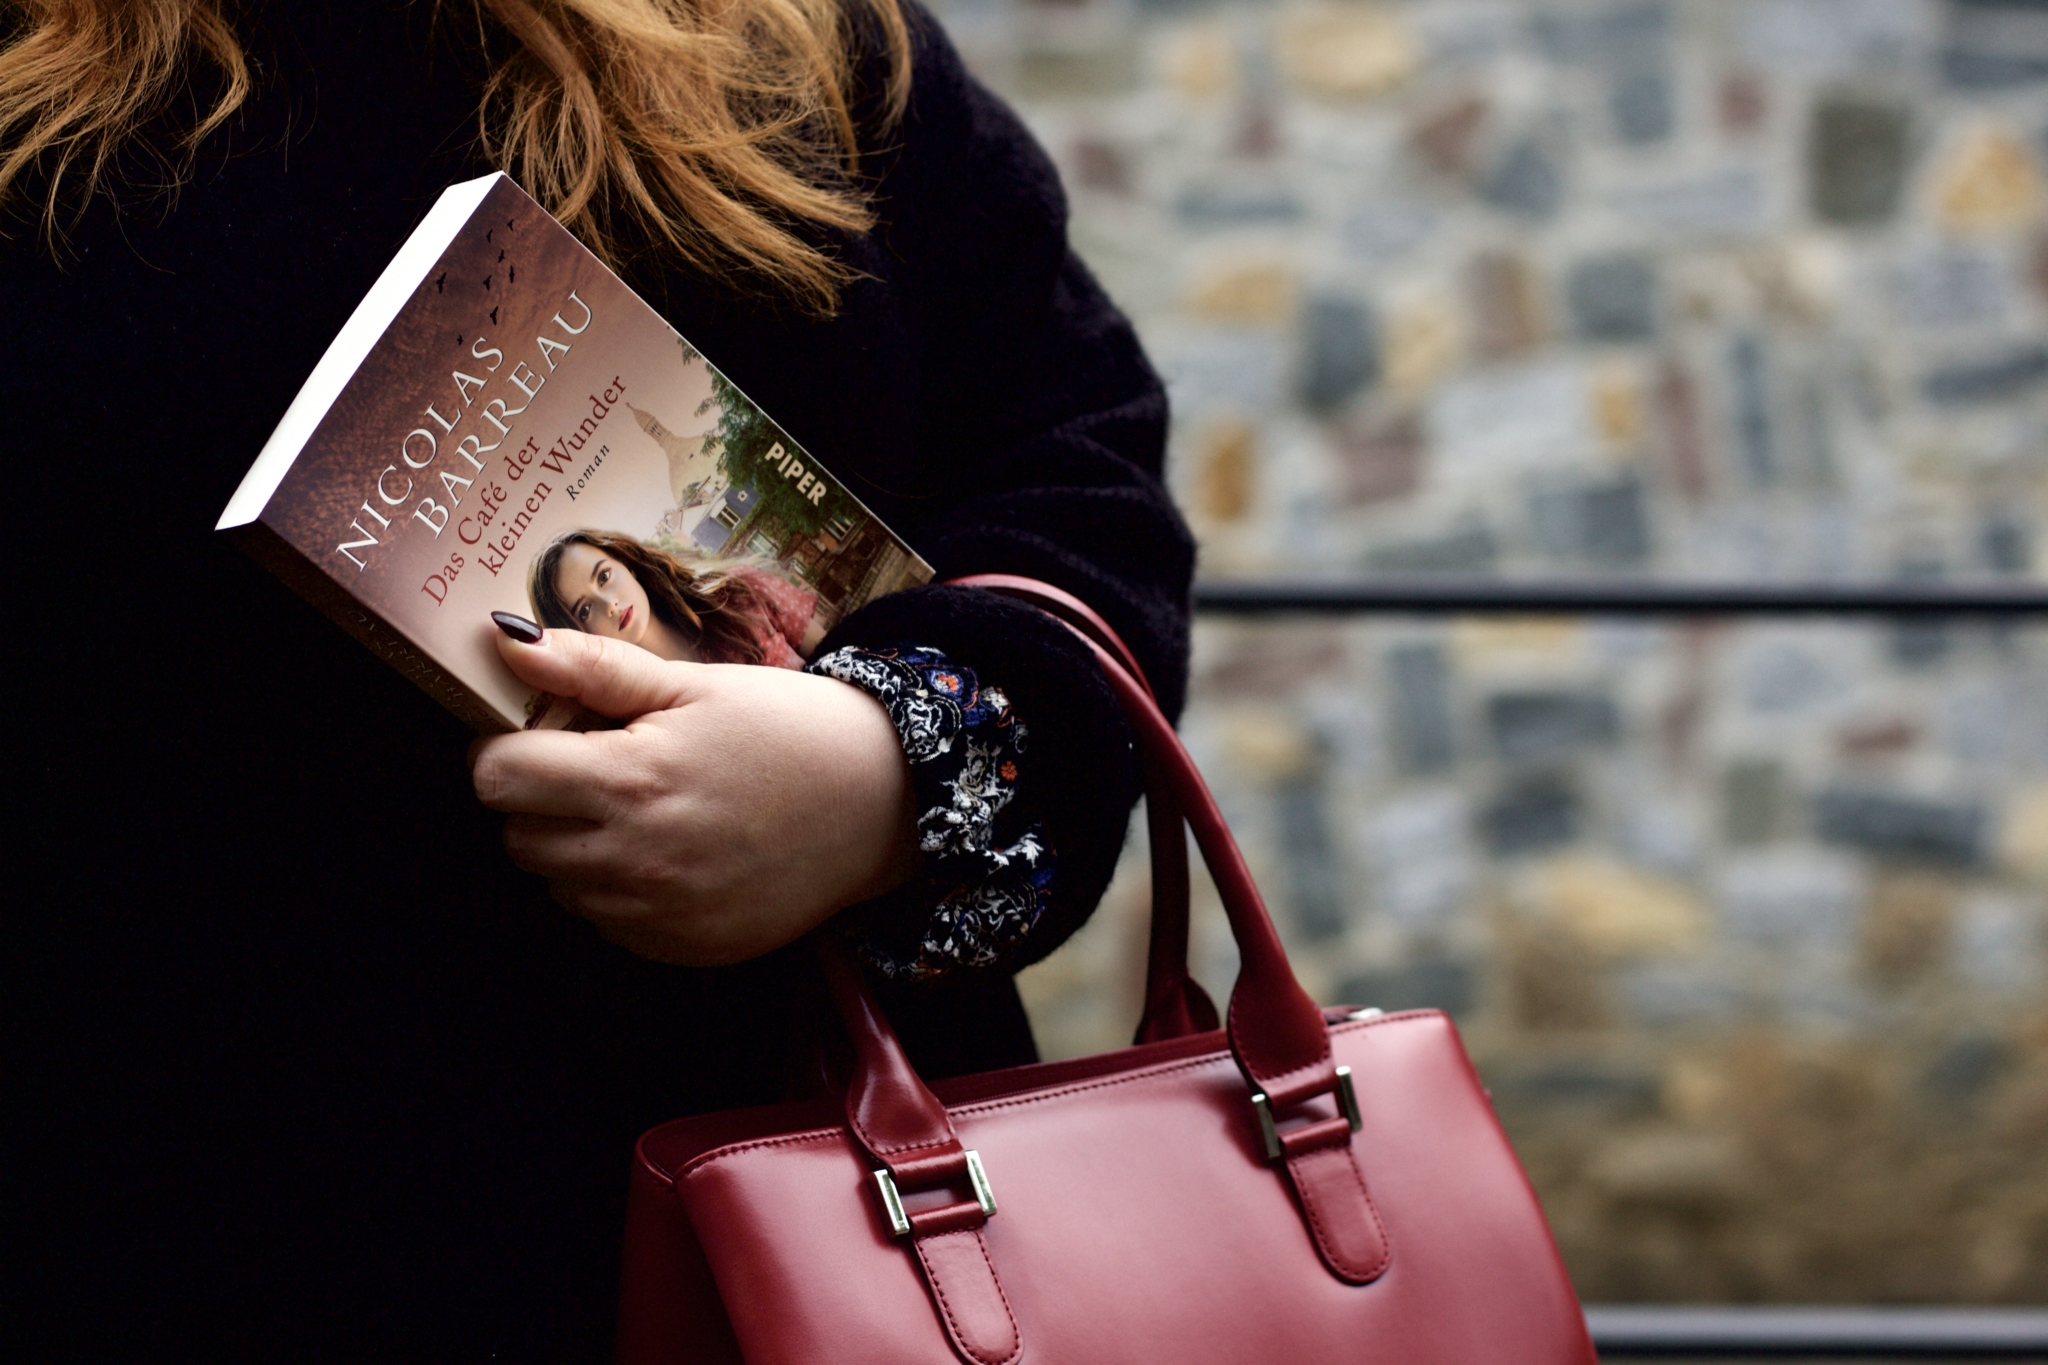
(691, 471)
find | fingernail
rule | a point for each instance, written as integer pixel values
(518, 627)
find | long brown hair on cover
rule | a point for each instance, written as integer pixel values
(717, 130)
(719, 610)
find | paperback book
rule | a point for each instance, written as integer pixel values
(503, 425)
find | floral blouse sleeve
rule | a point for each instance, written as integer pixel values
(987, 869)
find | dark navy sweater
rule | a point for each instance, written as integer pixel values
(303, 1068)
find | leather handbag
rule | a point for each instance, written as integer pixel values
(1300, 1184)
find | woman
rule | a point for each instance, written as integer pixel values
(607, 583)
(309, 1069)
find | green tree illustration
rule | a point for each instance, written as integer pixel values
(741, 441)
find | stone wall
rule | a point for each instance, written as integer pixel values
(1747, 922)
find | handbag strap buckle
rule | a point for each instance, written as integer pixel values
(1269, 1132)
(903, 1223)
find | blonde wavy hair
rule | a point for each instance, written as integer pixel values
(724, 131)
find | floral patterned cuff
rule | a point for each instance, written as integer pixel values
(988, 870)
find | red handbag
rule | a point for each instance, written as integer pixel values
(1300, 1185)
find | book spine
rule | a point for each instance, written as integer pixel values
(276, 554)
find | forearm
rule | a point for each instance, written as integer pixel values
(1034, 850)
(986, 868)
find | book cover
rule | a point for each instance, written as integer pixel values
(503, 425)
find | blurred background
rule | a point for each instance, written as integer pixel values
(1745, 919)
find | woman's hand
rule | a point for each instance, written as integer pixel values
(742, 806)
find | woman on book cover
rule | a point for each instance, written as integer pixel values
(319, 1073)
(707, 611)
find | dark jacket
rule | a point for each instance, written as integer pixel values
(304, 1068)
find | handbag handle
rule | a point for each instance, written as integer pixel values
(1276, 1033)
(1175, 1003)
(1276, 1036)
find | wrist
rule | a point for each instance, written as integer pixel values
(983, 873)
(891, 797)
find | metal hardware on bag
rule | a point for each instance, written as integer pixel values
(899, 1222)
(1373, 1013)
(1347, 1101)
(978, 1178)
(892, 1202)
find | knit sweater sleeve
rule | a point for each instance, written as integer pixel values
(1059, 476)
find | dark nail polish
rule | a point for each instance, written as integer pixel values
(518, 627)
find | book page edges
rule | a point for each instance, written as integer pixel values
(302, 576)
(387, 297)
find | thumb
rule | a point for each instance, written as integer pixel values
(609, 676)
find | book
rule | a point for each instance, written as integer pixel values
(504, 425)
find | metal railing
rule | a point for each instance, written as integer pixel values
(1437, 595)
(1638, 1332)
(1633, 1333)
